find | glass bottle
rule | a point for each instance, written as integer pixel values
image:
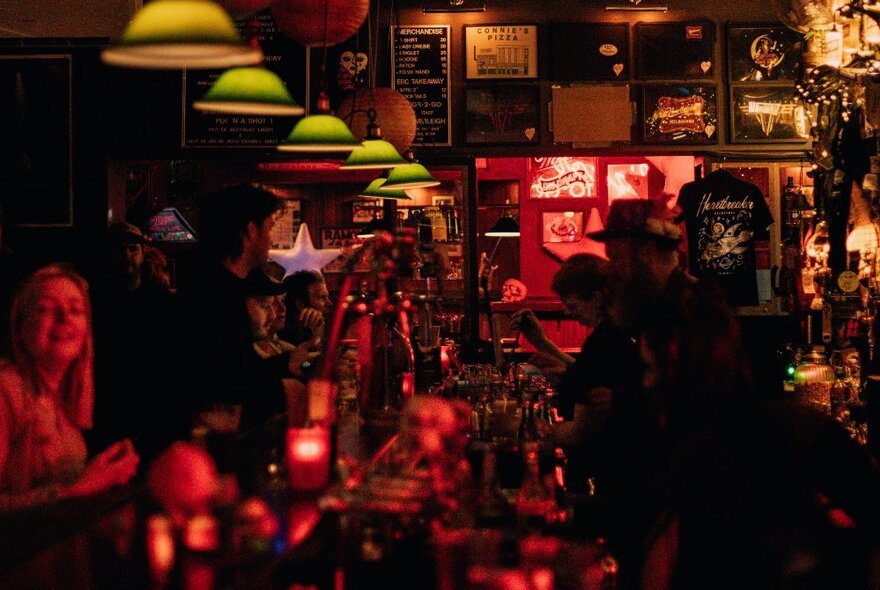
(534, 501)
(813, 380)
(492, 506)
(528, 430)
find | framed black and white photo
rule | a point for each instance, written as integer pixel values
(501, 51)
(763, 113)
(37, 177)
(502, 115)
(680, 114)
(683, 50)
(763, 53)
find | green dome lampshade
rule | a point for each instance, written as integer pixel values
(375, 190)
(506, 227)
(249, 91)
(175, 34)
(412, 175)
(320, 133)
(377, 154)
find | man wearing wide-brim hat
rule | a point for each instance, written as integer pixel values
(641, 241)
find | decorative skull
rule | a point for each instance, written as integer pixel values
(513, 290)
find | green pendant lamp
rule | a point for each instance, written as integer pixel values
(377, 154)
(321, 132)
(411, 175)
(176, 34)
(249, 91)
(505, 227)
(376, 190)
(373, 226)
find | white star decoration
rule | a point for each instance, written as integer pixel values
(304, 255)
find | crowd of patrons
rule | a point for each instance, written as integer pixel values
(709, 484)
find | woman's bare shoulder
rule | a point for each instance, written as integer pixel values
(13, 391)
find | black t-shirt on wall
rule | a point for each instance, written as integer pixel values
(724, 216)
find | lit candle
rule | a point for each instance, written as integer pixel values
(308, 458)
(160, 546)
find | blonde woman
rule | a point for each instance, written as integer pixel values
(46, 397)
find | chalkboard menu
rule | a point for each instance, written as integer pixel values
(283, 56)
(420, 57)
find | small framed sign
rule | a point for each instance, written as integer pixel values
(590, 51)
(501, 51)
(763, 53)
(675, 50)
(562, 226)
(680, 114)
(762, 113)
(502, 114)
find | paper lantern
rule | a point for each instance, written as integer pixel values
(304, 20)
(394, 115)
(243, 8)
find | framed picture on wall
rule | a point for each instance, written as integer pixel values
(37, 176)
(767, 114)
(681, 50)
(501, 51)
(590, 51)
(762, 53)
(502, 115)
(680, 114)
(562, 226)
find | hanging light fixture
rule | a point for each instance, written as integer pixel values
(321, 132)
(249, 91)
(373, 226)
(377, 154)
(505, 227)
(377, 190)
(411, 175)
(172, 34)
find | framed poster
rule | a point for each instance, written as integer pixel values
(344, 238)
(501, 51)
(37, 171)
(502, 114)
(590, 52)
(763, 113)
(562, 226)
(680, 114)
(675, 50)
(284, 57)
(762, 53)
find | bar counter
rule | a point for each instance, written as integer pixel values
(374, 527)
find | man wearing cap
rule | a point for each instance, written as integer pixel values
(235, 225)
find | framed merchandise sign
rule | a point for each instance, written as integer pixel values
(763, 113)
(680, 114)
(420, 62)
(502, 114)
(762, 53)
(501, 51)
(675, 50)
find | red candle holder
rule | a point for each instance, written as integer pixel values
(308, 458)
